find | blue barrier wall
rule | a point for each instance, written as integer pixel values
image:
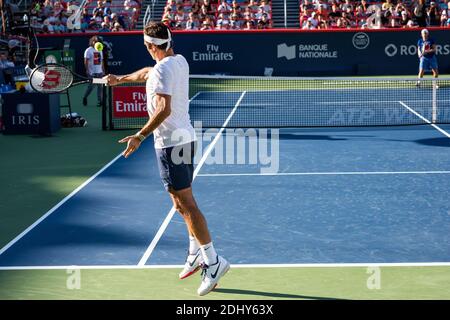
(287, 53)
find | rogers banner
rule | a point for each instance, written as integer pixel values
(129, 102)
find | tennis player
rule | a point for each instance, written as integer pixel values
(167, 86)
(426, 50)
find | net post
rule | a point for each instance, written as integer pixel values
(109, 108)
(434, 101)
(104, 125)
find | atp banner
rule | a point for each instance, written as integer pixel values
(276, 52)
(129, 102)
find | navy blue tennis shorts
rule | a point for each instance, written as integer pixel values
(176, 165)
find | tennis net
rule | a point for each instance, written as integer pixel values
(275, 102)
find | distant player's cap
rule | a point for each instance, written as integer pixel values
(425, 31)
(432, 3)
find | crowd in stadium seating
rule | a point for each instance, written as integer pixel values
(218, 14)
(339, 14)
(58, 16)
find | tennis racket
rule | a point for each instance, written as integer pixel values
(54, 78)
(425, 46)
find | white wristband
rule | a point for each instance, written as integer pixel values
(140, 136)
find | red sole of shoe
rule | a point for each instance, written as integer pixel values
(190, 273)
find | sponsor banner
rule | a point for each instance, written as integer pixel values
(288, 53)
(129, 102)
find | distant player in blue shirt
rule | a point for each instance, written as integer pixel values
(426, 50)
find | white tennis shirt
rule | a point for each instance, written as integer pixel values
(95, 59)
(170, 76)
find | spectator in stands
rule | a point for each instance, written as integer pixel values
(249, 25)
(98, 8)
(313, 20)
(404, 19)
(5, 63)
(265, 6)
(347, 5)
(192, 23)
(308, 6)
(207, 24)
(6, 66)
(349, 16)
(59, 27)
(444, 18)
(205, 13)
(399, 8)
(364, 5)
(195, 7)
(235, 6)
(224, 8)
(180, 18)
(169, 16)
(131, 5)
(303, 18)
(387, 5)
(321, 11)
(335, 14)
(117, 27)
(264, 22)
(117, 19)
(248, 14)
(360, 14)
(208, 6)
(411, 24)
(433, 15)
(222, 22)
(323, 24)
(105, 27)
(235, 23)
(253, 6)
(308, 25)
(420, 13)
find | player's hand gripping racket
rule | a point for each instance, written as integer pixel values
(54, 78)
(424, 47)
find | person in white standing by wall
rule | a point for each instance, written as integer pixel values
(93, 63)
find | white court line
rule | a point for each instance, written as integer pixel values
(20, 236)
(368, 102)
(235, 266)
(445, 133)
(320, 173)
(169, 216)
(195, 96)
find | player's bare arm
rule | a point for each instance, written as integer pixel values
(137, 76)
(86, 65)
(162, 111)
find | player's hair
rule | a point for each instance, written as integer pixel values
(157, 30)
(93, 40)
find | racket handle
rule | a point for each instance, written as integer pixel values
(99, 81)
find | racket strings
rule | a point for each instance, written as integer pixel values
(51, 78)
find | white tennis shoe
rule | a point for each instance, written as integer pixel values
(211, 275)
(192, 264)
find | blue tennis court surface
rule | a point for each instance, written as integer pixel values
(340, 195)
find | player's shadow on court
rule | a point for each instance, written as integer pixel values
(435, 142)
(271, 294)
